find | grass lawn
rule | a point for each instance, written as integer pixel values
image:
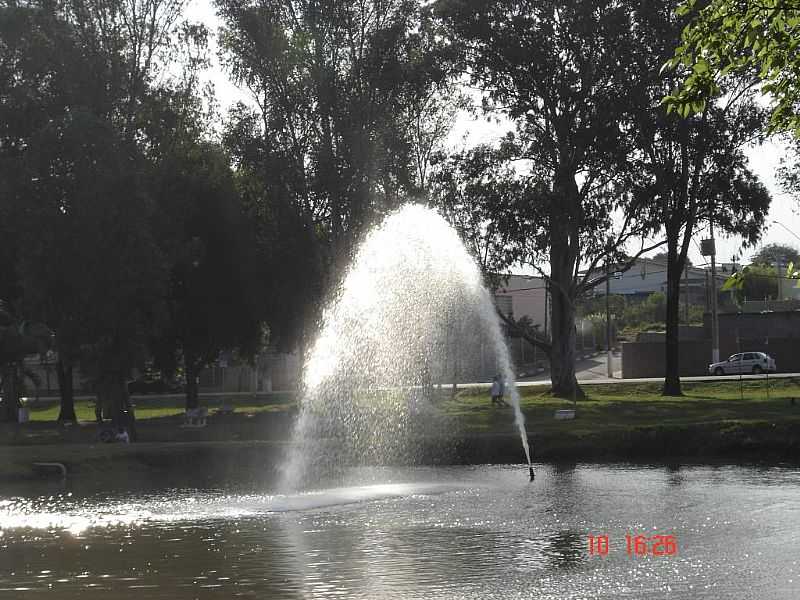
(607, 407)
(624, 406)
(150, 408)
(625, 420)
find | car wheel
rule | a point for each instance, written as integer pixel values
(719, 371)
(757, 370)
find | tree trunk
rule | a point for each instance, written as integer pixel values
(672, 380)
(113, 397)
(562, 360)
(10, 405)
(564, 251)
(562, 294)
(64, 373)
(192, 373)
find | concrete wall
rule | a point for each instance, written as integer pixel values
(766, 325)
(775, 333)
(785, 351)
(685, 332)
(646, 359)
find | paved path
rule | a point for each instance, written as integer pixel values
(606, 380)
(591, 375)
(588, 366)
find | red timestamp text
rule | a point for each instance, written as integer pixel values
(636, 545)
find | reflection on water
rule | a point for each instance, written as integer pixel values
(565, 548)
(476, 532)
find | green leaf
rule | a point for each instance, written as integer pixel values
(734, 282)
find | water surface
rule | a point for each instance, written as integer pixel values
(465, 532)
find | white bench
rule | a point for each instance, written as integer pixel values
(564, 415)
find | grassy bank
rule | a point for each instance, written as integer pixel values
(751, 420)
(156, 407)
(614, 407)
(606, 405)
(714, 420)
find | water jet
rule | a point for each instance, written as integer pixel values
(410, 314)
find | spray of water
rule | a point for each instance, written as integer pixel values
(410, 314)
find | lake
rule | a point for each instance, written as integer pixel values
(438, 532)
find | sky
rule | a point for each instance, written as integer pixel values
(764, 160)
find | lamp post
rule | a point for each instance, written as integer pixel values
(782, 265)
(707, 249)
(786, 228)
(609, 368)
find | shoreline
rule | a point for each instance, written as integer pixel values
(207, 462)
(712, 422)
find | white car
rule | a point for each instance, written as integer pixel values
(744, 363)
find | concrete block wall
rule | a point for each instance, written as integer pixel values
(646, 359)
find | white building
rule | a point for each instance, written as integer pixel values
(649, 275)
(525, 296)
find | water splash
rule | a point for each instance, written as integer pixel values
(411, 313)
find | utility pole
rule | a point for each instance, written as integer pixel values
(707, 249)
(686, 293)
(714, 308)
(609, 370)
(780, 265)
(546, 307)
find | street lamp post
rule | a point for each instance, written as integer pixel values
(609, 369)
(782, 265)
(786, 228)
(707, 249)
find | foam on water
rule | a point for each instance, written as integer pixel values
(409, 315)
(78, 515)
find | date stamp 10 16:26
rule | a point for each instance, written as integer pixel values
(636, 545)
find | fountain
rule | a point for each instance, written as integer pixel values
(410, 314)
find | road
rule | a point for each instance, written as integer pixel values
(590, 370)
(588, 367)
(606, 380)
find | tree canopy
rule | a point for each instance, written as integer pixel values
(772, 254)
(755, 39)
(566, 74)
(335, 84)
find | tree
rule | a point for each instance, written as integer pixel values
(134, 39)
(213, 300)
(776, 254)
(18, 339)
(102, 105)
(692, 169)
(755, 39)
(488, 204)
(562, 71)
(90, 266)
(474, 189)
(335, 83)
(430, 122)
(81, 251)
(664, 255)
(789, 173)
(760, 282)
